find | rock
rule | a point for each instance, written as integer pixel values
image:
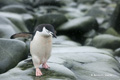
(70, 3)
(38, 3)
(84, 7)
(55, 19)
(20, 9)
(115, 18)
(117, 52)
(72, 15)
(48, 9)
(90, 33)
(103, 27)
(11, 53)
(76, 28)
(6, 31)
(29, 21)
(16, 19)
(112, 31)
(104, 2)
(106, 41)
(65, 41)
(88, 42)
(70, 63)
(6, 22)
(69, 9)
(96, 11)
(83, 24)
(86, 1)
(10, 2)
(71, 12)
(27, 72)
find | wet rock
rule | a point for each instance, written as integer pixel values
(55, 19)
(71, 12)
(6, 22)
(70, 3)
(90, 33)
(37, 3)
(70, 62)
(106, 41)
(56, 71)
(86, 1)
(96, 11)
(117, 52)
(11, 53)
(112, 31)
(76, 28)
(84, 7)
(115, 18)
(29, 21)
(14, 8)
(16, 19)
(4, 3)
(88, 42)
(6, 31)
(48, 9)
(83, 24)
(104, 2)
(103, 27)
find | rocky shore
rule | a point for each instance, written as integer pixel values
(87, 47)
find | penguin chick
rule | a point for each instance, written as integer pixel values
(41, 45)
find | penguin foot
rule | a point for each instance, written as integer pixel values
(38, 72)
(45, 66)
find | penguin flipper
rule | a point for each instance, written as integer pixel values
(22, 34)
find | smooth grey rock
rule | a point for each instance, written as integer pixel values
(90, 33)
(69, 3)
(9, 2)
(117, 52)
(115, 18)
(71, 12)
(55, 19)
(25, 70)
(70, 63)
(11, 53)
(106, 41)
(87, 63)
(38, 3)
(84, 7)
(88, 42)
(82, 23)
(6, 31)
(6, 22)
(76, 28)
(112, 31)
(86, 1)
(16, 19)
(15, 9)
(96, 11)
(65, 41)
(29, 21)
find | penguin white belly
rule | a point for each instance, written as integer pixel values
(40, 49)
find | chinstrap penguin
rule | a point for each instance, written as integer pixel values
(40, 45)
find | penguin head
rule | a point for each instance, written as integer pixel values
(46, 32)
(46, 29)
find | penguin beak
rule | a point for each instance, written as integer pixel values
(54, 35)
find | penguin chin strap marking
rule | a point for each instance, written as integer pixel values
(47, 32)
